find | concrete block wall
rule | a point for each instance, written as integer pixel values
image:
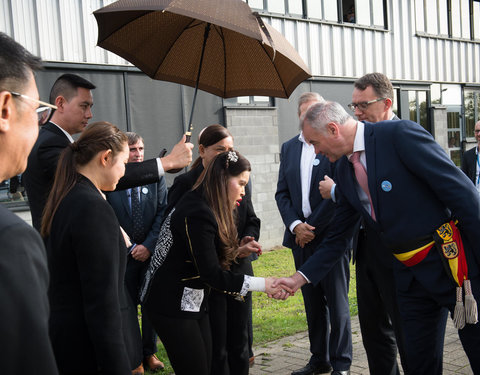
(440, 125)
(255, 132)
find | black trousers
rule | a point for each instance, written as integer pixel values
(188, 342)
(134, 276)
(229, 324)
(378, 312)
(328, 313)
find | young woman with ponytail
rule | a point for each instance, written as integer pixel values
(92, 328)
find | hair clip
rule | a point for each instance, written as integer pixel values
(232, 156)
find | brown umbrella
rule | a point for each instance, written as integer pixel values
(219, 46)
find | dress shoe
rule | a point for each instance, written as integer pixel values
(313, 370)
(138, 371)
(251, 361)
(152, 363)
(347, 372)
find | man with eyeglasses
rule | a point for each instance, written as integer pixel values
(73, 99)
(378, 312)
(24, 341)
(471, 160)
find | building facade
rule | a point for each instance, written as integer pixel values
(430, 49)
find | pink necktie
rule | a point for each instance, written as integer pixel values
(361, 175)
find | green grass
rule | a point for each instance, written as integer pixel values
(274, 319)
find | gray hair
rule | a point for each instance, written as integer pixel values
(308, 97)
(133, 138)
(320, 114)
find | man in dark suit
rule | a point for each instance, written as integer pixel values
(471, 161)
(306, 216)
(152, 201)
(24, 341)
(379, 316)
(406, 188)
(72, 95)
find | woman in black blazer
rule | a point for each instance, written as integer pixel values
(196, 246)
(92, 328)
(230, 319)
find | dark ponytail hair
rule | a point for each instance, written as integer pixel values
(97, 137)
(214, 181)
(209, 136)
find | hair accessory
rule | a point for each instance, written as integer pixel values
(232, 156)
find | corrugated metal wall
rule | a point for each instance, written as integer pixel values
(65, 30)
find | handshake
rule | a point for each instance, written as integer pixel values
(283, 287)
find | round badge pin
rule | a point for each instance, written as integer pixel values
(144, 190)
(386, 186)
(316, 162)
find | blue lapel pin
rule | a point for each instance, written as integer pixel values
(386, 186)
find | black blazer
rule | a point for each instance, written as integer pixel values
(23, 292)
(90, 313)
(469, 163)
(188, 244)
(248, 224)
(42, 164)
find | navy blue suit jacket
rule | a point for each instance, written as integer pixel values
(289, 192)
(426, 190)
(153, 204)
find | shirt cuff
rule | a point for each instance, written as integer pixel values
(252, 283)
(332, 193)
(293, 225)
(305, 277)
(161, 171)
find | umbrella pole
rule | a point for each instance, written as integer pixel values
(205, 37)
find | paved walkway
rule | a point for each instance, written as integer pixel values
(290, 353)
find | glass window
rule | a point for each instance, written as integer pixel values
(417, 101)
(295, 7)
(276, 6)
(476, 19)
(314, 9)
(443, 17)
(363, 12)
(455, 19)
(453, 125)
(465, 18)
(419, 15)
(432, 19)
(378, 13)
(257, 4)
(436, 93)
(472, 110)
(451, 95)
(330, 10)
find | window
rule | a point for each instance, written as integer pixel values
(417, 101)
(360, 12)
(264, 101)
(449, 18)
(472, 110)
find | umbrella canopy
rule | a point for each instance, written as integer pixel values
(167, 40)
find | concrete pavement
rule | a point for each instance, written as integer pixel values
(283, 356)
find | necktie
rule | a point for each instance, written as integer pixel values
(137, 220)
(361, 175)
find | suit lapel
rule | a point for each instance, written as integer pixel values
(125, 202)
(315, 171)
(371, 167)
(297, 156)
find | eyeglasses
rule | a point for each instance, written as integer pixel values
(43, 112)
(363, 105)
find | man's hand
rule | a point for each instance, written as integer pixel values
(180, 157)
(303, 234)
(325, 187)
(278, 292)
(140, 253)
(290, 284)
(248, 245)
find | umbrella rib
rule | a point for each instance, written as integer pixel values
(188, 26)
(222, 36)
(278, 74)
